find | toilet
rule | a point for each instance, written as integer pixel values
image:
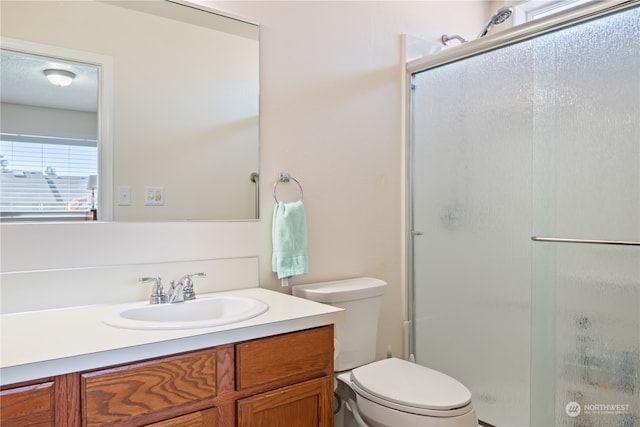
(391, 392)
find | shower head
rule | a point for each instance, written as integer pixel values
(498, 18)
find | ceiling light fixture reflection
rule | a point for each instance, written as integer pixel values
(59, 77)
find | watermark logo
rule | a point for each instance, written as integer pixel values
(573, 409)
(606, 408)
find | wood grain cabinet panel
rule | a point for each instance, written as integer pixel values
(283, 359)
(117, 394)
(28, 406)
(280, 381)
(307, 404)
(206, 418)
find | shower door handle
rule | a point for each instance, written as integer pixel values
(588, 241)
(416, 233)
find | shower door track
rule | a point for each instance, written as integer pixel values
(587, 241)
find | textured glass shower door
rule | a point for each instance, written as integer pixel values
(586, 185)
(541, 137)
(472, 160)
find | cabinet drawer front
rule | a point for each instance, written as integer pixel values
(117, 394)
(27, 406)
(285, 359)
(206, 418)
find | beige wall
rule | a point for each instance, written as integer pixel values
(331, 100)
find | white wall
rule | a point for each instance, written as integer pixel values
(331, 99)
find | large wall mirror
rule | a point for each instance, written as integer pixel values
(173, 114)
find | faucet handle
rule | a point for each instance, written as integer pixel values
(157, 292)
(188, 290)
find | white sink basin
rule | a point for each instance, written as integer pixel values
(198, 313)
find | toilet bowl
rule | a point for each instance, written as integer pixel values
(394, 392)
(389, 392)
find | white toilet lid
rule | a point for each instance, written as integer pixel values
(411, 385)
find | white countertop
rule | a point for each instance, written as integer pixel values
(41, 344)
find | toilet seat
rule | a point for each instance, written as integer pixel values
(411, 388)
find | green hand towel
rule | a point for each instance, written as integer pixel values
(289, 236)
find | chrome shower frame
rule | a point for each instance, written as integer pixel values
(457, 53)
(518, 33)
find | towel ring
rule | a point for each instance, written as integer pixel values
(285, 177)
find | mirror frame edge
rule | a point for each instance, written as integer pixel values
(197, 5)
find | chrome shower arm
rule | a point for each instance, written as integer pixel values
(446, 39)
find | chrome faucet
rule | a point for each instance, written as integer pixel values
(188, 292)
(183, 290)
(178, 292)
(157, 292)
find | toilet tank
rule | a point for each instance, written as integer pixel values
(356, 333)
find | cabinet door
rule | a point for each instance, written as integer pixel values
(206, 418)
(308, 404)
(29, 406)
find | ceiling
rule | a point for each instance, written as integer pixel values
(22, 81)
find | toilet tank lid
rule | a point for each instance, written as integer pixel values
(341, 290)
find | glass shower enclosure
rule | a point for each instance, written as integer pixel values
(525, 219)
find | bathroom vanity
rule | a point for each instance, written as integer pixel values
(274, 369)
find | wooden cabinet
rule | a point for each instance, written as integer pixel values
(30, 405)
(50, 402)
(206, 418)
(309, 404)
(284, 359)
(151, 389)
(284, 380)
(296, 370)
